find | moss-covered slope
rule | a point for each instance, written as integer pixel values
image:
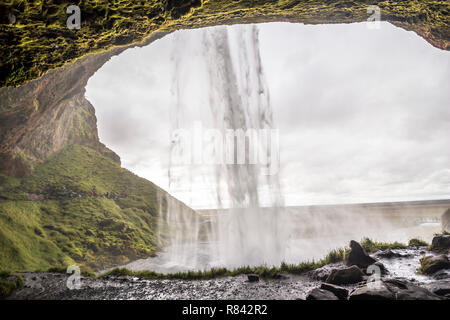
(38, 39)
(78, 207)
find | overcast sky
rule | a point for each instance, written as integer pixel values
(363, 115)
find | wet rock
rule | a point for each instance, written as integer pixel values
(441, 288)
(403, 290)
(372, 291)
(441, 243)
(339, 292)
(322, 273)
(392, 290)
(349, 275)
(389, 254)
(433, 264)
(253, 277)
(358, 257)
(320, 294)
(442, 275)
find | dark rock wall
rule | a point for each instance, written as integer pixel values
(43, 116)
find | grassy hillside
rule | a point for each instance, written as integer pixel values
(78, 207)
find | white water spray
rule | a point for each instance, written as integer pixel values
(236, 98)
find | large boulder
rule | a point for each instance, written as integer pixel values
(441, 243)
(392, 290)
(349, 275)
(320, 294)
(372, 291)
(433, 264)
(403, 290)
(358, 257)
(323, 273)
(339, 292)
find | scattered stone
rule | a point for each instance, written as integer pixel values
(389, 254)
(320, 294)
(339, 292)
(441, 243)
(358, 257)
(349, 275)
(253, 277)
(433, 264)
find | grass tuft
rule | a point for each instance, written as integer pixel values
(417, 243)
(371, 246)
(265, 272)
(9, 282)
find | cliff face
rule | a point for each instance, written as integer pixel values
(43, 116)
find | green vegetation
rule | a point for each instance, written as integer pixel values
(85, 272)
(263, 271)
(443, 233)
(40, 41)
(417, 243)
(90, 212)
(9, 282)
(371, 246)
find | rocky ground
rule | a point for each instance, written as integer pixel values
(385, 275)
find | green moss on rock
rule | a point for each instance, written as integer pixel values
(39, 40)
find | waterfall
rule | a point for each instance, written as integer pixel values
(249, 228)
(178, 233)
